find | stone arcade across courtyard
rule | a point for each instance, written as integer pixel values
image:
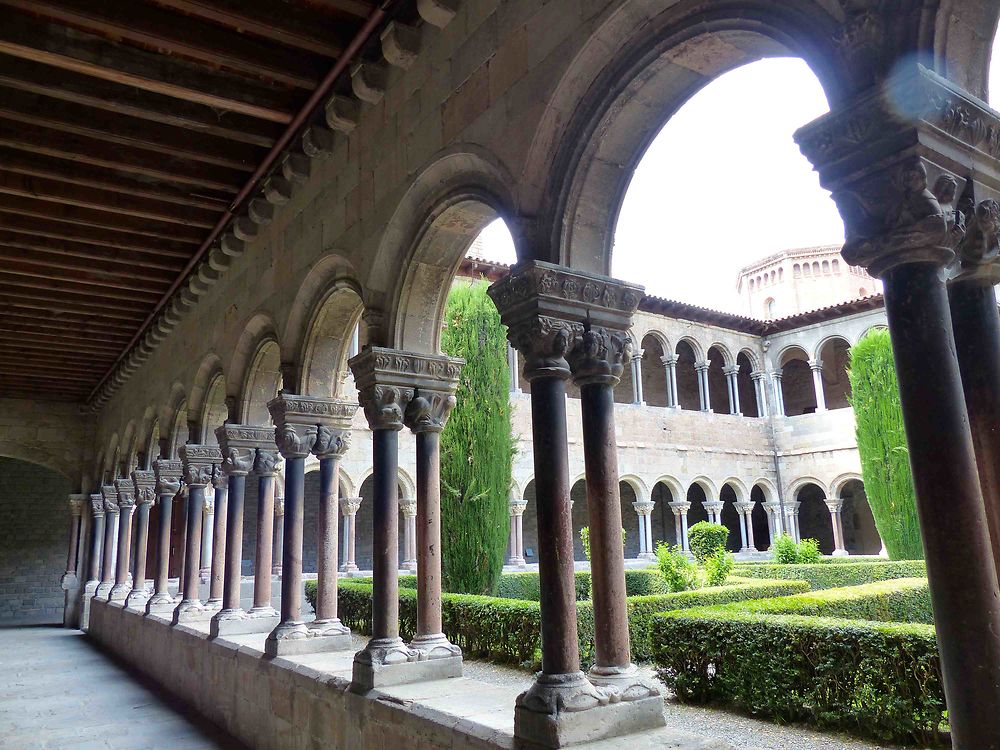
(211, 197)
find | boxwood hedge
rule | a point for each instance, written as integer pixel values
(828, 575)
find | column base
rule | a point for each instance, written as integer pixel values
(88, 593)
(841, 553)
(297, 638)
(627, 681)
(137, 599)
(241, 622)
(651, 556)
(387, 661)
(119, 592)
(192, 611)
(566, 709)
(348, 568)
(430, 647)
(161, 604)
(103, 590)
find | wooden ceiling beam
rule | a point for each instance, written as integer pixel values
(34, 109)
(74, 173)
(67, 194)
(60, 375)
(86, 323)
(126, 274)
(40, 247)
(142, 299)
(77, 233)
(90, 55)
(48, 142)
(13, 327)
(285, 24)
(61, 302)
(64, 396)
(67, 86)
(81, 275)
(160, 30)
(32, 346)
(13, 351)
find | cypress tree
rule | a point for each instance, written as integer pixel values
(477, 445)
(885, 459)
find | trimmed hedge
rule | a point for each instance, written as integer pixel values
(834, 575)
(781, 659)
(525, 585)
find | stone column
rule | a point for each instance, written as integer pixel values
(70, 581)
(680, 510)
(731, 373)
(426, 415)
(265, 467)
(760, 393)
(555, 317)
(349, 507)
(408, 509)
(238, 446)
(168, 484)
(816, 365)
(220, 518)
(126, 505)
(384, 392)
(670, 363)
(714, 510)
(515, 386)
(636, 365)
(516, 508)
(144, 483)
(976, 325)
(701, 368)
(898, 230)
(278, 538)
(775, 527)
(836, 506)
(779, 396)
(199, 463)
(207, 530)
(644, 510)
(745, 509)
(96, 542)
(792, 519)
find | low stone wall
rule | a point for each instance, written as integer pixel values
(276, 703)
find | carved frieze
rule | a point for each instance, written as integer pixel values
(199, 463)
(243, 436)
(311, 410)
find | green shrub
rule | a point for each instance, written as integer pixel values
(718, 567)
(785, 551)
(525, 586)
(828, 575)
(585, 540)
(704, 538)
(645, 582)
(676, 570)
(808, 552)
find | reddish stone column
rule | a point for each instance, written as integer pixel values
(216, 579)
(126, 506)
(168, 478)
(144, 483)
(96, 542)
(266, 468)
(199, 466)
(110, 495)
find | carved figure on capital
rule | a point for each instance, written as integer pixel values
(349, 505)
(295, 440)
(979, 248)
(168, 476)
(97, 505)
(199, 463)
(599, 354)
(238, 461)
(428, 411)
(126, 493)
(144, 482)
(110, 494)
(266, 462)
(384, 406)
(331, 442)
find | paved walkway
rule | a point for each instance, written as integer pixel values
(58, 691)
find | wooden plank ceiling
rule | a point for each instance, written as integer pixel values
(127, 128)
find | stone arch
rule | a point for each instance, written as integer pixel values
(861, 535)
(175, 417)
(328, 339)
(654, 346)
(448, 203)
(261, 383)
(629, 492)
(347, 485)
(638, 486)
(759, 518)
(768, 489)
(747, 364)
(41, 454)
(729, 516)
(214, 411)
(205, 387)
(664, 52)
(719, 358)
(797, 484)
(111, 456)
(688, 352)
(837, 485)
(665, 490)
(407, 486)
(742, 493)
(257, 332)
(961, 50)
(153, 442)
(814, 515)
(797, 389)
(130, 445)
(580, 514)
(834, 353)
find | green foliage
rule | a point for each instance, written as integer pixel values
(678, 572)
(885, 460)
(785, 550)
(808, 552)
(525, 586)
(705, 538)
(718, 567)
(828, 575)
(476, 446)
(800, 658)
(585, 540)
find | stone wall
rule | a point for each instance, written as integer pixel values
(56, 435)
(34, 520)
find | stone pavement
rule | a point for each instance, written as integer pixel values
(59, 691)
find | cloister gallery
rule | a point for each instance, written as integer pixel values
(228, 233)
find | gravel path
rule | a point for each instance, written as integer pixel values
(743, 732)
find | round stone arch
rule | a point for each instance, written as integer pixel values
(255, 368)
(814, 516)
(732, 491)
(149, 437)
(654, 345)
(664, 52)
(718, 385)
(797, 391)
(130, 444)
(41, 454)
(665, 490)
(689, 352)
(174, 416)
(449, 201)
(111, 456)
(834, 352)
(205, 391)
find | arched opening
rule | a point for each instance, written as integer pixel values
(365, 519)
(263, 380)
(214, 411)
(814, 517)
(718, 386)
(797, 391)
(625, 391)
(330, 337)
(630, 520)
(688, 392)
(529, 524)
(835, 356)
(581, 516)
(745, 386)
(664, 526)
(731, 518)
(860, 535)
(758, 520)
(310, 522)
(654, 381)
(696, 496)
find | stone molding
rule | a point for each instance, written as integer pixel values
(144, 483)
(408, 507)
(387, 379)
(110, 494)
(168, 476)
(199, 463)
(349, 506)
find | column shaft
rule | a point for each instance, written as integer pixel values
(265, 531)
(234, 542)
(428, 541)
(326, 540)
(192, 548)
(221, 520)
(164, 511)
(141, 545)
(291, 558)
(385, 534)
(120, 590)
(96, 545)
(74, 542)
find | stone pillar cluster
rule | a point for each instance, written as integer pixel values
(758, 378)
(670, 363)
(167, 474)
(144, 482)
(704, 395)
(199, 462)
(680, 510)
(731, 372)
(515, 556)
(644, 510)
(835, 507)
(816, 366)
(745, 509)
(349, 507)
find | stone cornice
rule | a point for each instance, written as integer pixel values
(199, 463)
(311, 410)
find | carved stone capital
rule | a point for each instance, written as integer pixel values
(168, 476)
(77, 503)
(349, 505)
(126, 493)
(97, 505)
(744, 506)
(110, 494)
(731, 370)
(834, 504)
(879, 155)
(428, 410)
(680, 507)
(311, 410)
(243, 436)
(266, 462)
(238, 461)
(816, 364)
(547, 308)
(144, 482)
(331, 442)
(643, 507)
(199, 463)
(517, 507)
(599, 356)
(670, 360)
(408, 507)
(220, 480)
(386, 380)
(295, 440)
(979, 249)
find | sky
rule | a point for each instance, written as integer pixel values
(723, 185)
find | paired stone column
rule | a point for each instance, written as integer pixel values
(836, 506)
(126, 505)
(779, 396)
(278, 538)
(745, 509)
(816, 365)
(792, 519)
(714, 510)
(200, 462)
(636, 365)
(207, 530)
(774, 525)
(701, 369)
(144, 483)
(349, 507)
(760, 392)
(516, 508)
(238, 445)
(110, 496)
(680, 510)
(644, 511)
(670, 363)
(96, 501)
(731, 372)
(265, 467)
(220, 519)
(557, 318)
(167, 474)
(70, 581)
(384, 391)
(434, 381)
(897, 228)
